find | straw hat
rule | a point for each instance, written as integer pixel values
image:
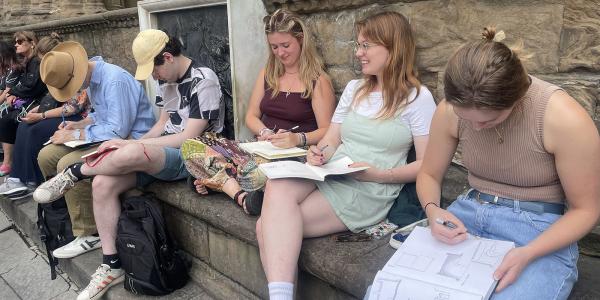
(145, 47)
(64, 69)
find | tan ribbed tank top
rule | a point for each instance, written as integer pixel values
(519, 168)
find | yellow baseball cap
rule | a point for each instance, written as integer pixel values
(145, 47)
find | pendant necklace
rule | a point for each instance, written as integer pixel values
(500, 137)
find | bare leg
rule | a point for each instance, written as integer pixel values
(130, 158)
(7, 153)
(107, 207)
(286, 219)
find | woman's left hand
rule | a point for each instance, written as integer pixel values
(32, 117)
(62, 136)
(371, 174)
(284, 139)
(511, 267)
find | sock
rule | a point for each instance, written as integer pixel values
(112, 260)
(281, 290)
(76, 171)
(95, 235)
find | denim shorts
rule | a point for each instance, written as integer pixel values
(548, 277)
(173, 170)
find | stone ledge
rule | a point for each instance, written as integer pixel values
(122, 18)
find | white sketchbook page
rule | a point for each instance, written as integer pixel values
(468, 266)
(336, 167)
(267, 149)
(287, 169)
(388, 286)
(74, 144)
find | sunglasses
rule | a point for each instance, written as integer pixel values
(19, 41)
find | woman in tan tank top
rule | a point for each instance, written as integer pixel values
(531, 151)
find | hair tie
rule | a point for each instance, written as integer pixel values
(499, 36)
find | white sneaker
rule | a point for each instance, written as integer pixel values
(55, 187)
(103, 278)
(79, 245)
(12, 186)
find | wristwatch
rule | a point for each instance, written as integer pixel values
(43, 115)
(77, 134)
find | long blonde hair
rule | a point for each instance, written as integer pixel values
(391, 30)
(310, 64)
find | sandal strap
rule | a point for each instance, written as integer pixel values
(236, 196)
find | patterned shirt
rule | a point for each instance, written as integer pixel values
(196, 95)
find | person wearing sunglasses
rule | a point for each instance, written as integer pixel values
(27, 90)
(36, 126)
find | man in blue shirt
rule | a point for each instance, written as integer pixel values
(120, 109)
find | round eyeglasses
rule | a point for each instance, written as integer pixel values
(364, 46)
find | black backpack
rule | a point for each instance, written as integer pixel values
(54, 226)
(153, 263)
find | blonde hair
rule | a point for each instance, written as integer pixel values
(310, 63)
(392, 31)
(485, 74)
(47, 43)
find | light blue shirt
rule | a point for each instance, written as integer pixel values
(121, 108)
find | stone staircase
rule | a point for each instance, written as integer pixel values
(221, 241)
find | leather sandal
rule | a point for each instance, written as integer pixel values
(251, 203)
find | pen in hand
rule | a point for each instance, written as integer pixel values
(448, 224)
(287, 130)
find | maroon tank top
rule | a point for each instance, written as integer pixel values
(287, 110)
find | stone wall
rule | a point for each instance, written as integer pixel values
(108, 34)
(562, 35)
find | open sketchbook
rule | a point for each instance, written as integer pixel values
(268, 151)
(78, 144)
(288, 169)
(425, 268)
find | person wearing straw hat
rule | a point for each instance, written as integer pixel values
(121, 109)
(190, 99)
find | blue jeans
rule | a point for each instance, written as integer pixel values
(548, 277)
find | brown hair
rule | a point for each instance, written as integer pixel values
(310, 63)
(47, 43)
(485, 74)
(391, 30)
(30, 37)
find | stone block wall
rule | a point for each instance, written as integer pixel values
(562, 35)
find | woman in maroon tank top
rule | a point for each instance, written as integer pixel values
(293, 90)
(292, 102)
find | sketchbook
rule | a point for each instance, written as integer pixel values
(424, 268)
(268, 151)
(294, 169)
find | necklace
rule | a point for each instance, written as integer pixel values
(500, 137)
(287, 93)
(292, 73)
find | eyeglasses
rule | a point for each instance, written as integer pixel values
(364, 45)
(19, 42)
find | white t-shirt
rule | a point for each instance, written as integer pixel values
(417, 114)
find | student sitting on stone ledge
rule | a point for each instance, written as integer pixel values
(191, 102)
(292, 101)
(531, 151)
(35, 128)
(375, 123)
(121, 108)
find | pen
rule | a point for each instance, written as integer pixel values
(445, 223)
(62, 115)
(293, 128)
(323, 148)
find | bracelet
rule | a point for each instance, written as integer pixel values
(425, 207)
(262, 131)
(303, 136)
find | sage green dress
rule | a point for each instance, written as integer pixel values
(382, 143)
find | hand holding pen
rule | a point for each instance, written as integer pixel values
(316, 155)
(284, 138)
(446, 227)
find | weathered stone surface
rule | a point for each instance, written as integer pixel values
(580, 40)
(6, 292)
(306, 6)
(583, 87)
(340, 76)
(34, 273)
(239, 260)
(191, 233)
(18, 13)
(14, 251)
(219, 286)
(4, 222)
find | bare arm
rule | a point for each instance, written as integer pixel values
(253, 114)
(329, 143)
(193, 128)
(323, 104)
(159, 127)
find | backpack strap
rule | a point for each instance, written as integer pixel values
(44, 237)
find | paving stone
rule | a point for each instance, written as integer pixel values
(35, 273)
(6, 293)
(14, 251)
(68, 295)
(4, 222)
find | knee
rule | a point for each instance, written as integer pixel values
(130, 154)
(102, 187)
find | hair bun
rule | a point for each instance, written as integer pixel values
(56, 36)
(489, 33)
